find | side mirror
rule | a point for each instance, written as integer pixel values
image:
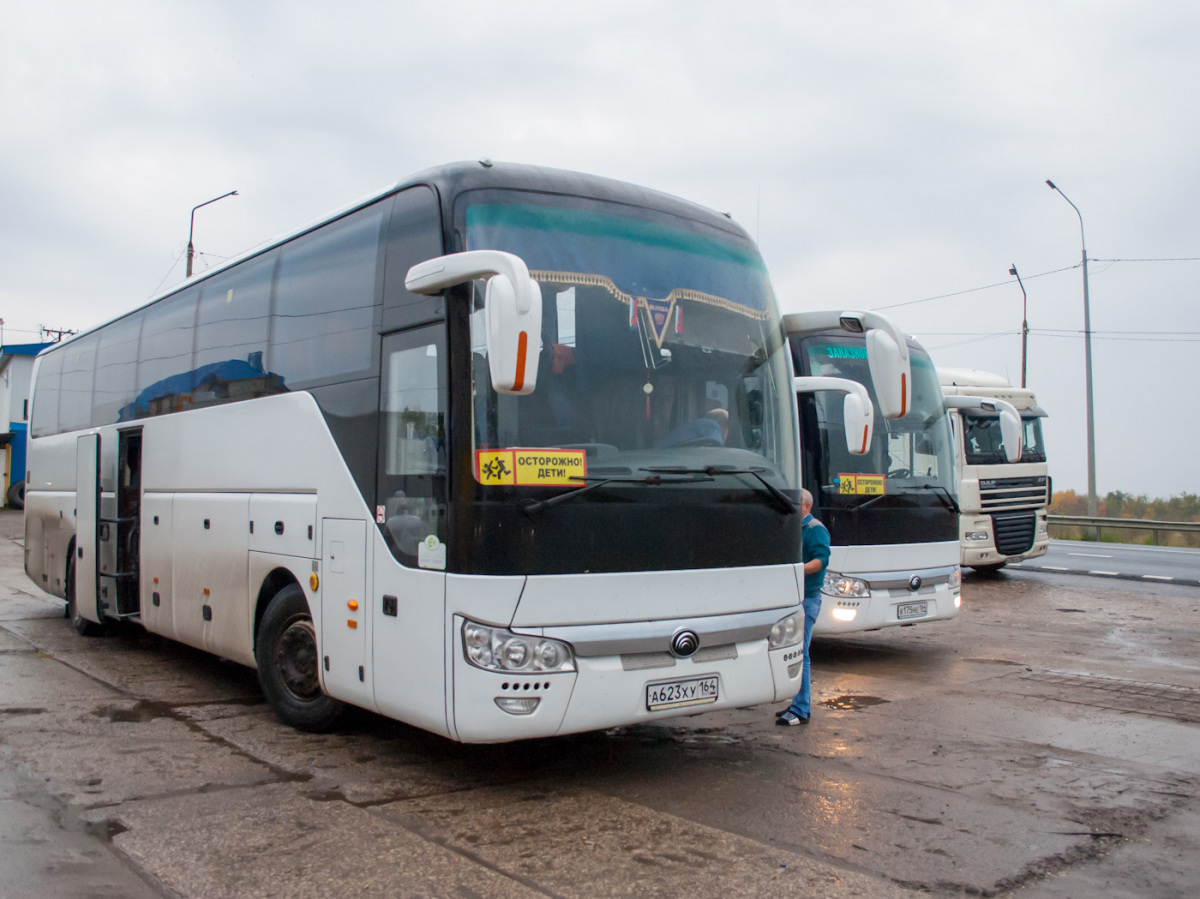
(887, 352)
(858, 413)
(512, 310)
(1011, 429)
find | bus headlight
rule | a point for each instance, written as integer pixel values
(844, 585)
(498, 649)
(955, 579)
(787, 631)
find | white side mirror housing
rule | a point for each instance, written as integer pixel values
(512, 310)
(887, 352)
(1011, 429)
(858, 413)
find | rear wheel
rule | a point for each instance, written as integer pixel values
(288, 662)
(83, 626)
(16, 495)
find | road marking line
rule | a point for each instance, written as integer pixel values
(1109, 573)
(1054, 568)
(1157, 577)
(1091, 555)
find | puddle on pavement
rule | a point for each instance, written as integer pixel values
(138, 713)
(852, 703)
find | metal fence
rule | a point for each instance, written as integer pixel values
(1093, 525)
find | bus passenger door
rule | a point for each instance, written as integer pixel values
(344, 668)
(87, 520)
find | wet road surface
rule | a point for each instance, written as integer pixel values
(1044, 744)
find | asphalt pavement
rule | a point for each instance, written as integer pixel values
(1162, 564)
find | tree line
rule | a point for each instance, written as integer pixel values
(1118, 504)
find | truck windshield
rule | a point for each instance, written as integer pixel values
(908, 458)
(983, 446)
(661, 347)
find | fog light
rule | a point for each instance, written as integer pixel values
(845, 614)
(793, 670)
(514, 706)
(976, 535)
(958, 600)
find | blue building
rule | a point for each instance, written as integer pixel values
(16, 375)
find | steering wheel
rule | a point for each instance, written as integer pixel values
(900, 473)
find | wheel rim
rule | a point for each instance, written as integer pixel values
(296, 660)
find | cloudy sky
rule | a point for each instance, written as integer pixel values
(887, 156)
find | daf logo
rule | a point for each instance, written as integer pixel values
(684, 643)
(914, 582)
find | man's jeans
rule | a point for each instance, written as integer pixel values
(801, 702)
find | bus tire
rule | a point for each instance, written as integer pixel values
(288, 664)
(16, 495)
(83, 626)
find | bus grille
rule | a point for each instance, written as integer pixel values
(1012, 494)
(1014, 533)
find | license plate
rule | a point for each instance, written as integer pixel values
(676, 694)
(912, 610)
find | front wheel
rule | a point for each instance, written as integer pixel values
(288, 662)
(83, 626)
(989, 569)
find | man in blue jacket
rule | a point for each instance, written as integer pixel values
(814, 551)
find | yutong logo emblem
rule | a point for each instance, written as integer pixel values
(685, 643)
(914, 582)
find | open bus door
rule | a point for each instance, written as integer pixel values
(87, 524)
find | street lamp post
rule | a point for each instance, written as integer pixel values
(1024, 320)
(191, 252)
(1087, 356)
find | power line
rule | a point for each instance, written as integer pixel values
(959, 293)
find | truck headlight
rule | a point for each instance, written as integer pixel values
(844, 585)
(498, 649)
(787, 631)
(976, 535)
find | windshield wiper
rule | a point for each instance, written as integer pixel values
(870, 502)
(944, 495)
(534, 506)
(784, 502)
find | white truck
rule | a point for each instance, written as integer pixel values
(1003, 503)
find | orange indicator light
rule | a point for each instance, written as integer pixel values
(352, 624)
(352, 605)
(313, 583)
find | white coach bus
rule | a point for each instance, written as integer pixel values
(891, 505)
(501, 452)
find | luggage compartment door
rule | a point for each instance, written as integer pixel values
(87, 521)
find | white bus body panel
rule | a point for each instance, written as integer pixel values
(87, 523)
(929, 561)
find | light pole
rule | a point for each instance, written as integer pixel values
(1024, 320)
(192, 225)
(1087, 356)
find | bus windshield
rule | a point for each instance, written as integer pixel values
(661, 347)
(983, 446)
(907, 457)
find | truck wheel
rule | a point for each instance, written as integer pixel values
(16, 495)
(83, 626)
(288, 664)
(989, 569)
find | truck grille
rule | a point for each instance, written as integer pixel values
(1014, 533)
(1011, 494)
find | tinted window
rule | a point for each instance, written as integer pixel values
(232, 328)
(75, 395)
(324, 300)
(116, 371)
(164, 375)
(45, 395)
(414, 235)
